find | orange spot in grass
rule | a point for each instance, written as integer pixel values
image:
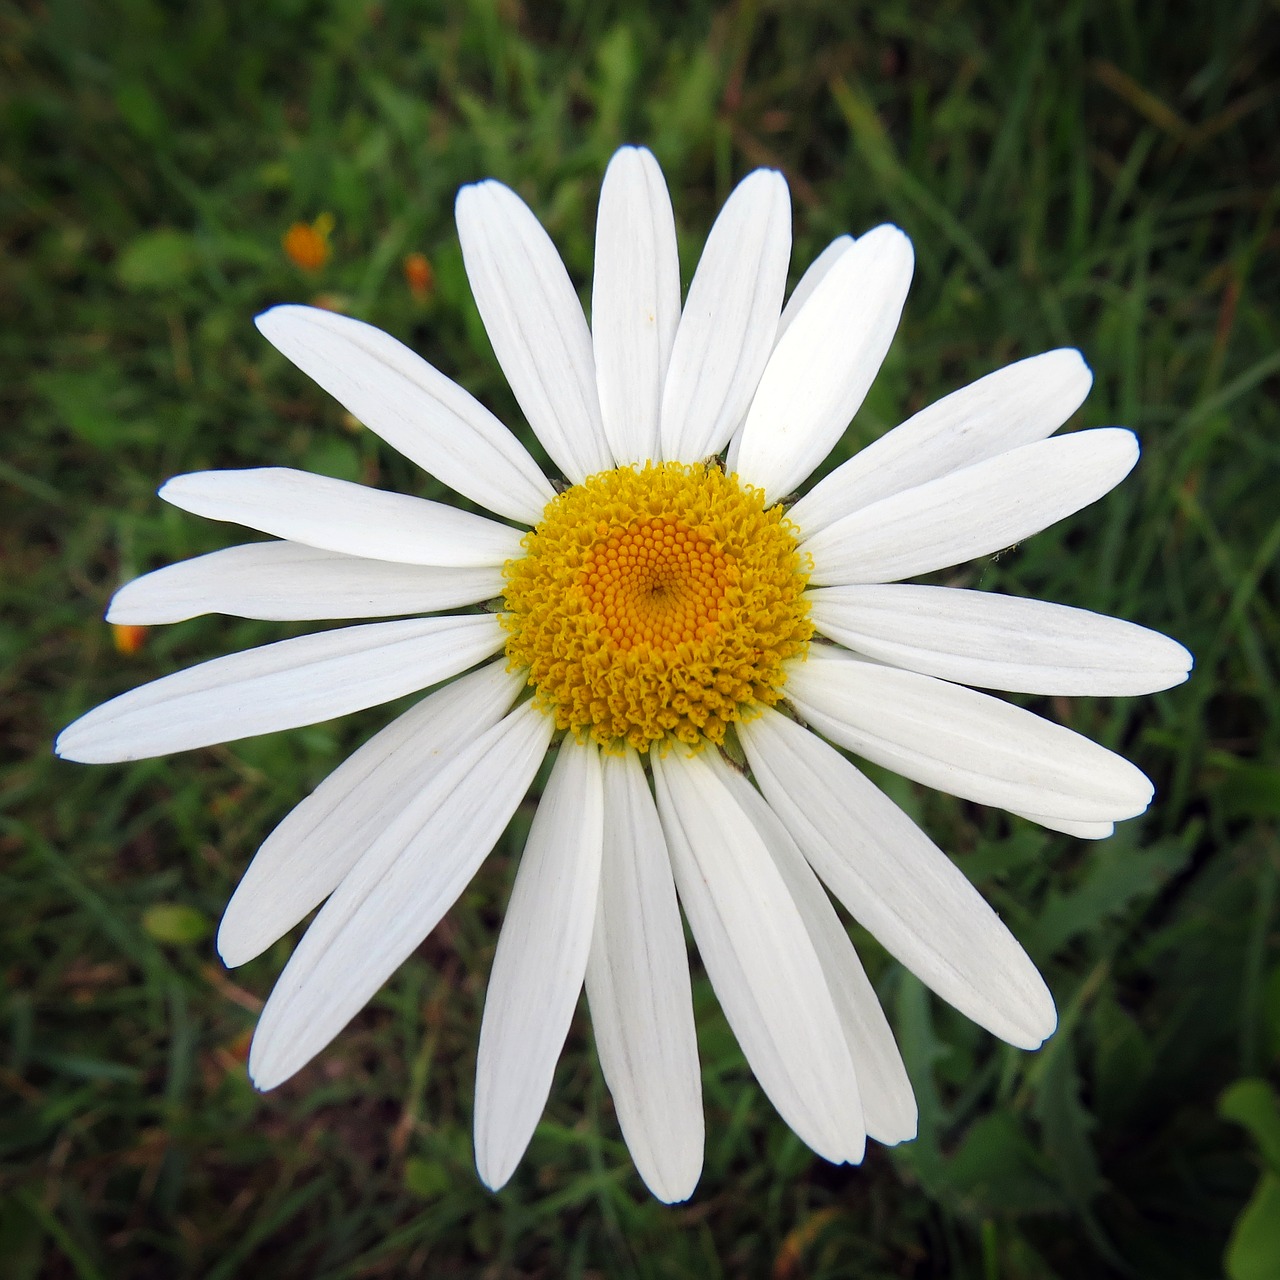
(306, 244)
(419, 276)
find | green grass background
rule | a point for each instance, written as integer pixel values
(1099, 173)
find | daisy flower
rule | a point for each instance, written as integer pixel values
(696, 652)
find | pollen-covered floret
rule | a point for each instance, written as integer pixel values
(657, 604)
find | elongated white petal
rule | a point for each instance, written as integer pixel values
(730, 319)
(306, 857)
(1017, 405)
(973, 512)
(535, 322)
(413, 407)
(540, 961)
(821, 369)
(396, 894)
(352, 519)
(896, 882)
(999, 642)
(638, 990)
(964, 742)
(888, 1102)
(280, 686)
(1081, 830)
(635, 302)
(291, 582)
(813, 276)
(760, 958)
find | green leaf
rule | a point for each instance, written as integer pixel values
(1253, 1252)
(1117, 876)
(996, 1170)
(426, 1178)
(1253, 1104)
(1067, 1125)
(20, 1239)
(329, 456)
(97, 405)
(160, 259)
(1248, 790)
(140, 110)
(176, 924)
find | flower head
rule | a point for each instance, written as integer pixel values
(663, 614)
(656, 605)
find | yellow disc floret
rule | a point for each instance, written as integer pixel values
(656, 604)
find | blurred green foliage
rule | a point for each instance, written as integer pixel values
(1088, 173)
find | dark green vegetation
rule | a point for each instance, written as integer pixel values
(1089, 173)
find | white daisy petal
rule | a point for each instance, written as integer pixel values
(821, 369)
(397, 893)
(730, 319)
(535, 322)
(413, 407)
(1081, 830)
(974, 512)
(540, 961)
(280, 686)
(635, 302)
(639, 993)
(288, 581)
(813, 276)
(896, 883)
(306, 857)
(888, 1102)
(352, 519)
(1017, 405)
(999, 642)
(760, 958)
(964, 742)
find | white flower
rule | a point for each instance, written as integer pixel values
(662, 601)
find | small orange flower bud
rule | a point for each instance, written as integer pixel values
(419, 276)
(128, 638)
(306, 244)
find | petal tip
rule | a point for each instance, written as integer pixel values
(676, 1191)
(1041, 1022)
(270, 319)
(465, 199)
(857, 1153)
(678, 1179)
(893, 238)
(233, 946)
(1186, 660)
(290, 319)
(1130, 446)
(494, 1170)
(628, 153)
(487, 189)
(78, 746)
(171, 490)
(772, 179)
(1073, 361)
(894, 1130)
(264, 1073)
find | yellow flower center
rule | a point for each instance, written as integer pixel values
(657, 604)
